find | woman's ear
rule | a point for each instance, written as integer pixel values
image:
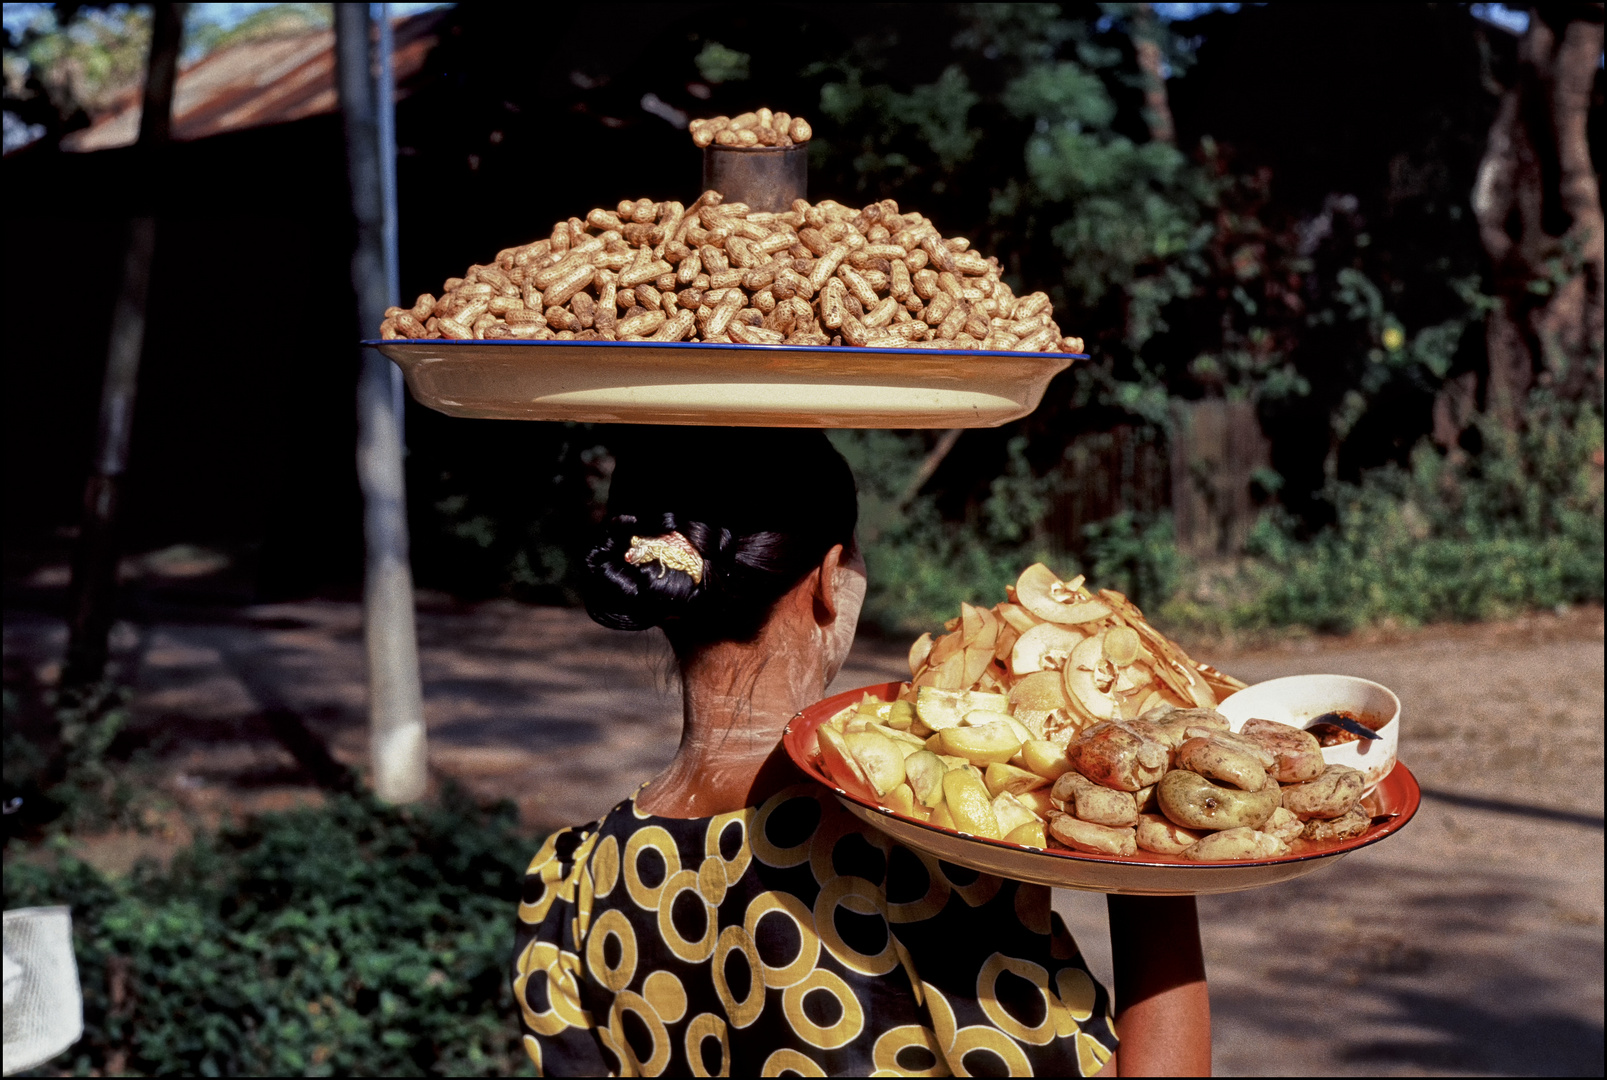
(825, 591)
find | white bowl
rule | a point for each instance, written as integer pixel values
(1299, 700)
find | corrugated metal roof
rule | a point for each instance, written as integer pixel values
(254, 84)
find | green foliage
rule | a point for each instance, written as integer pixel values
(1134, 556)
(1518, 526)
(719, 64)
(65, 772)
(351, 939)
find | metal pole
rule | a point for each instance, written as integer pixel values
(395, 703)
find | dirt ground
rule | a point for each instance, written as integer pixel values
(1468, 944)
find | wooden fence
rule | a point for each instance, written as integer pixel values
(1202, 474)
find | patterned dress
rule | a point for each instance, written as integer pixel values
(790, 939)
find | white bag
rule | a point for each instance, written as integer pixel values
(44, 1007)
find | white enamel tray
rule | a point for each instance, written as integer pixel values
(649, 382)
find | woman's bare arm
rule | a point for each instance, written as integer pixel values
(1163, 1010)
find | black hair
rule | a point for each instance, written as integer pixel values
(762, 507)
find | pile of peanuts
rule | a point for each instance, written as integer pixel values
(761, 128)
(818, 274)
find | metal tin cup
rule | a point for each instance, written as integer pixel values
(767, 178)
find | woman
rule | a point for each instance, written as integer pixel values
(733, 918)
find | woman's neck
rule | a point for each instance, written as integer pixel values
(737, 699)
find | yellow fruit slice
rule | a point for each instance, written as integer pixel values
(924, 772)
(1029, 835)
(901, 800)
(878, 758)
(1122, 645)
(1042, 691)
(982, 745)
(1045, 645)
(1002, 777)
(1018, 617)
(941, 816)
(1045, 758)
(969, 805)
(939, 709)
(919, 652)
(901, 715)
(1038, 801)
(1081, 688)
(841, 766)
(1010, 814)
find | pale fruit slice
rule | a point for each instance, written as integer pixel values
(1046, 642)
(969, 805)
(1045, 758)
(1046, 596)
(900, 715)
(981, 717)
(1005, 646)
(1001, 777)
(1017, 616)
(1088, 653)
(879, 758)
(943, 648)
(1081, 688)
(1042, 690)
(977, 659)
(939, 709)
(970, 624)
(1010, 814)
(902, 800)
(841, 766)
(924, 770)
(919, 652)
(1121, 645)
(981, 745)
(1037, 801)
(941, 816)
(950, 674)
(902, 738)
(1029, 835)
(838, 722)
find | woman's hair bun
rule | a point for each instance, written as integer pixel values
(760, 506)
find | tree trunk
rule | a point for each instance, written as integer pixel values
(1152, 65)
(1538, 206)
(395, 700)
(94, 570)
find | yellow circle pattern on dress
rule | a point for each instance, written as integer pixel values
(665, 993)
(789, 1060)
(767, 852)
(1077, 992)
(992, 1040)
(612, 923)
(649, 838)
(986, 995)
(744, 1012)
(693, 952)
(706, 1026)
(540, 960)
(625, 1002)
(533, 1048)
(718, 825)
(888, 1045)
(847, 1026)
(790, 907)
(938, 1008)
(861, 897)
(937, 894)
(711, 881)
(605, 866)
(823, 845)
(1091, 1053)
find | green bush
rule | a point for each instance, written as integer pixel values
(1517, 526)
(354, 938)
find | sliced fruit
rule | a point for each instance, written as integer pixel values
(901, 715)
(969, 805)
(981, 717)
(1121, 645)
(1042, 690)
(939, 709)
(841, 766)
(1088, 653)
(981, 745)
(1029, 835)
(902, 800)
(902, 738)
(943, 648)
(950, 674)
(1081, 688)
(1037, 801)
(1010, 814)
(941, 816)
(1002, 777)
(970, 624)
(879, 758)
(1045, 758)
(977, 659)
(1002, 648)
(1045, 645)
(924, 771)
(1017, 616)
(919, 652)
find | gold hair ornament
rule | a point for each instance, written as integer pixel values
(671, 551)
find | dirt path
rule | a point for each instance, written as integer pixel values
(1471, 943)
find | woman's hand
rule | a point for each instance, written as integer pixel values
(1163, 1009)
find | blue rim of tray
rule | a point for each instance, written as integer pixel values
(734, 346)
